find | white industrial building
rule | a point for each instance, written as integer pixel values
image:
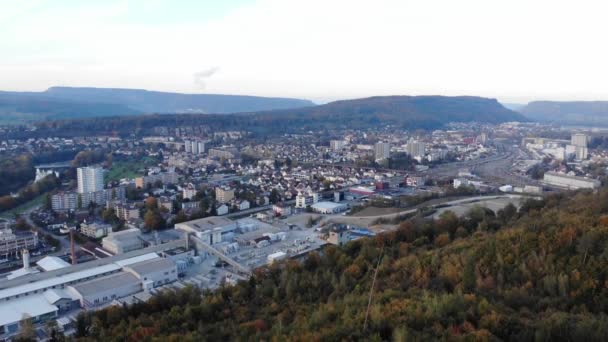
(51, 263)
(43, 295)
(328, 207)
(105, 289)
(211, 230)
(13, 242)
(274, 257)
(565, 181)
(155, 272)
(123, 241)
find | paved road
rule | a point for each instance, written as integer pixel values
(447, 202)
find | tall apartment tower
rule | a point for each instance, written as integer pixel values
(90, 179)
(337, 145)
(579, 139)
(416, 148)
(201, 147)
(382, 150)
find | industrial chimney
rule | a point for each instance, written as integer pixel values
(72, 249)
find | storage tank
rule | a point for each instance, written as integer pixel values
(26, 258)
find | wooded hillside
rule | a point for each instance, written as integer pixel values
(534, 274)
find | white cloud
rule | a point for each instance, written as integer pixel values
(515, 49)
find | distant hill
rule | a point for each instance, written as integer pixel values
(31, 107)
(575, 113)
(162, 102)
(513, 106)
(66, 102)
(407, 111)
(410, 112)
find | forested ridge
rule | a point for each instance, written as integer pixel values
(534, 274)
(409, 112)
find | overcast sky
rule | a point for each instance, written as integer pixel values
(514, 50)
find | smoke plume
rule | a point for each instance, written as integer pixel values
(201, 76)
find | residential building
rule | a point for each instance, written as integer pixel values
(244, 205)
(581, 153)
(224, 195)
(102, 196)
(222, 210)
(90, 179)
(191, 205)
(281, 209)
(126, 211)
(223, 153)
(194, 146)
(337, 145)
(165, 202)
(64, 201)
(579, 139)
(382, 150)
(165, 178)
(189, 191)
(305, 199)
(416, 149)
(95, 230)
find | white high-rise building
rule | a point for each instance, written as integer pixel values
(194, 146)
(382, 150)
(416, 148)
(579, 139)
(337, 145)
(581, 153)
(201, 147)
(90, 179)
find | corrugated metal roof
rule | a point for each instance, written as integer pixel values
(33, 306)
(50, 263)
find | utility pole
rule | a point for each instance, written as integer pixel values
(371, 290)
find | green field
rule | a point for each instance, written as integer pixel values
(128, 169)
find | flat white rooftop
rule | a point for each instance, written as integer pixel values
(327, 205)
(73, 277)
(50, 263)
(14, 310)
